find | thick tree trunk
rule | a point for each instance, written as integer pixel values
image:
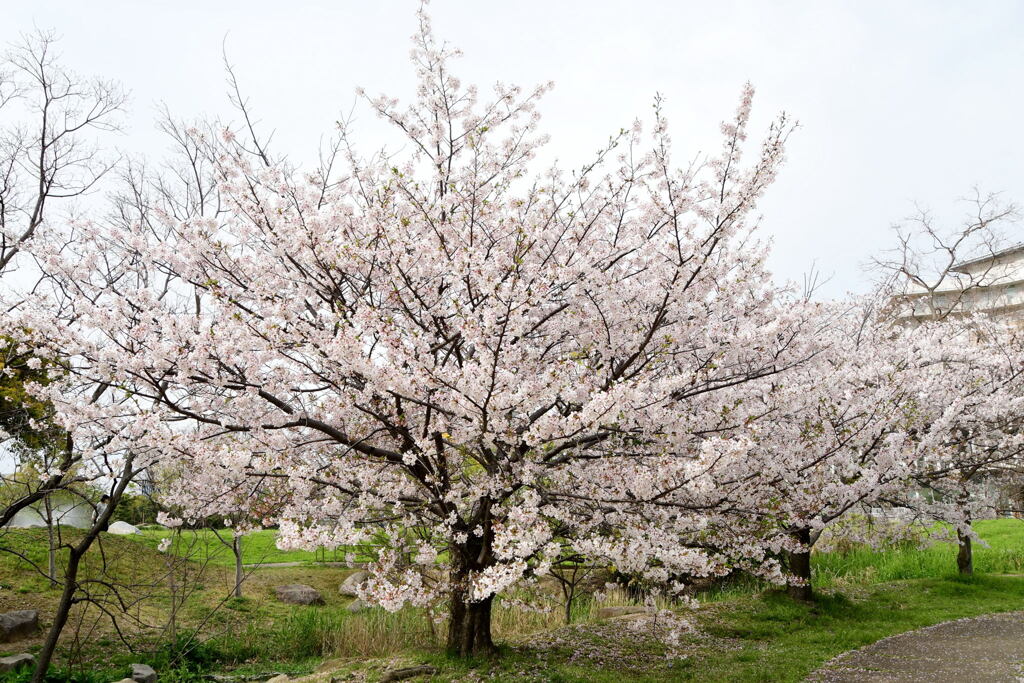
(965, 557)
(469, 622)
(469, 626)
(800, 567)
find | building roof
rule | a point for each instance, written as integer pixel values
(963, 266)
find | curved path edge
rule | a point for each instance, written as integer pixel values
(983, 649)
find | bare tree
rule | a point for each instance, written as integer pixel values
(934, 271)
(572, 572)
(231, 538)
(49, 155)
(49, 152)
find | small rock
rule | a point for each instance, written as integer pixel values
(329, 665)
(123, 529)
(626, 610)
(411, 672)
(280, 678)
(299, 594)
(18, 624)
(349, 585)
(15, 662)
(126, 680)
(143, 673)
(356, 605)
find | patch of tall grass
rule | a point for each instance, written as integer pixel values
(1004, 554)
(313, 632)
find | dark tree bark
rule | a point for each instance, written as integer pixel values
(236, 549)
(469, 622)
(69, 595)
(569, 594)
(569, 576)
(51, 554)
(965, 556)
(469, 626)
(60, 617)
(800, 567)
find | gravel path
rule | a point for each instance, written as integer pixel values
(978, 650)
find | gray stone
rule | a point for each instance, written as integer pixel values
(123, 528)
(15, 662)
(143, 673)
(299, 594)
(410, 672)
(349, 585)
(279, 678)
(18, 624)
(356, 605)
(623, 611)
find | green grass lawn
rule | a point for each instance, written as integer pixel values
(777, 639)
(762, 637)
(749, 632)
(753, 633)
(258, 547)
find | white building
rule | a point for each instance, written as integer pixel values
(992, 284)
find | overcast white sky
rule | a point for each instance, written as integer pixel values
(898, 102)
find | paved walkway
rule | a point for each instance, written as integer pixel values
(979, 650)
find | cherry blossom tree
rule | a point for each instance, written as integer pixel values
(979, 382)
(52, 119)
(912, 417)
(51, 159)
(870, 415)
(902, 383)
(964, 276)
(440, 340)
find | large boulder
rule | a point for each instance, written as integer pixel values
(18, 624)
(357, 605)
(15, 662)
(299, 594)
(143, 673)
(123, 528)
(350, 584)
